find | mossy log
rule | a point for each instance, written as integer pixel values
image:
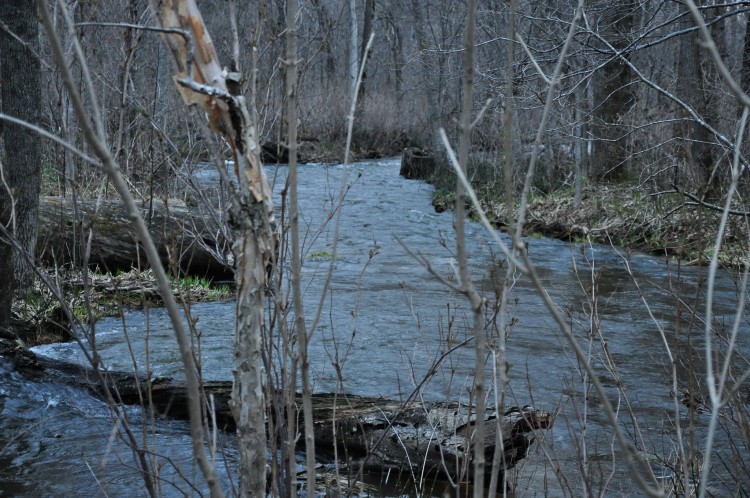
(187, 238)
(382, 434)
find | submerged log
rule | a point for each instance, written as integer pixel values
(183, 235)
(429, 439)
(381, 434)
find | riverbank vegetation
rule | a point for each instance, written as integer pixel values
(40, 315)
(621, 123)
(630, 215)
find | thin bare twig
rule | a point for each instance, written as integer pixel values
(95, 137)
(546, 79)
(700, 202)
(173, 31)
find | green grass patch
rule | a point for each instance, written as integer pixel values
(201, 287)
(321, 255)
(625, 214)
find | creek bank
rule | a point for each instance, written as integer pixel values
(189, 240)
(629, 215)
(44, 316)
(315, 150)
(378, 433)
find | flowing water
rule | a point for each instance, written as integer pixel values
(384, 320)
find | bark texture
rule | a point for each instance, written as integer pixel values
(187, 238)
(745, 75)
(437, 438)
(201, 81)
(20, 166)
(613, 95)
(695, 78)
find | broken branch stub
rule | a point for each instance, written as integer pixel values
(201, 80)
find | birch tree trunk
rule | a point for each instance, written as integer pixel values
(353, 52)
(475, 300)
(201, 81)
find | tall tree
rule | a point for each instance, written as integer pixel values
(251, 219)
(325, 24)
(20, 74)
(353, 52)
(366, 33)
(613, 93)
(695, 76)
(745, 75)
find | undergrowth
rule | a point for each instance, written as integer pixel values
(44, 319)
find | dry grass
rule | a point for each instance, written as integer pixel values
(626, 215)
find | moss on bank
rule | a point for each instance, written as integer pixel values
(626, 215)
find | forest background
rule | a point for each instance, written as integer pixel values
(641, 121)
(639, 100)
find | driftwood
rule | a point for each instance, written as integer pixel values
(434, 438)
(379, 433)
(184, 235)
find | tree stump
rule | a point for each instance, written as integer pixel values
(417, 164)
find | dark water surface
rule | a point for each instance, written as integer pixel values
(384, 320)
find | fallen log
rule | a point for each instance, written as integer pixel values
(424, 438)
(189, 238)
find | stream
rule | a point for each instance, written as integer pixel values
(384, 321)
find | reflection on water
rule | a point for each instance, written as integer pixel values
(385, 320)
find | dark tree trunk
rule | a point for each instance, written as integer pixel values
(396, 44)
(325, 25)
(613, 95)
(429, 78)
(691, 87)
(745, 83)
(363, 54)
(745, 75)
(21, 164)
